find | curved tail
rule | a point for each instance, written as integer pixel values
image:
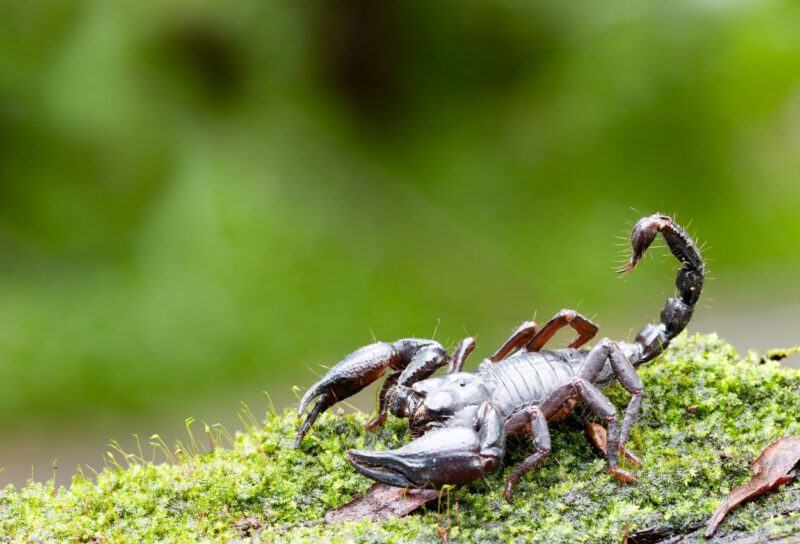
(653, 339)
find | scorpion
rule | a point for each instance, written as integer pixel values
(460, 420)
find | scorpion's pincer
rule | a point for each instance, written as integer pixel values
(469, 446)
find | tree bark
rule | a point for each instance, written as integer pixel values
(694, 533)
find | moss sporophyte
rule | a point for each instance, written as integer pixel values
(707, 414)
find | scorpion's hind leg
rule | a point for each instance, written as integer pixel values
(582, 388)
(594, 363)
(584, 326)
(528, 337)
(628, 378)
(540, 435)
(599, 404)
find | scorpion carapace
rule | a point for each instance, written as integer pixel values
(461, 419)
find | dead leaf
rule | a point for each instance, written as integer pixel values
(381, 502)
(772, 469)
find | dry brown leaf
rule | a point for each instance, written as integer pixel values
(772, 469)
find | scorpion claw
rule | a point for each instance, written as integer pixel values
(381, 466)
(369, 464)
(348, 377)
(451, 455)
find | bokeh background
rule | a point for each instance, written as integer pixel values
(201, 201)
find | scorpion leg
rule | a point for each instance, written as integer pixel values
(540, 435)
(585, 328)
(424, 363)
(582, 388)
(632, 383)
(599, 404)
(383, 405)
(518, 339)
(597, 436)
(592, 366)
(460, 355)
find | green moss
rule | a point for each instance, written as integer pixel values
(707, 414)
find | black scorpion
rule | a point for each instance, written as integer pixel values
(461, 419)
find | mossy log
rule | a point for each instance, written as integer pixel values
(707, 414)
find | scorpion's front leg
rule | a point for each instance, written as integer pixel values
(471, 444)
(460, 355)
(383, 405)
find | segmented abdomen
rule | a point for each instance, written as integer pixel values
(526, 380)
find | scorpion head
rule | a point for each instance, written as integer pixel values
(430, 403)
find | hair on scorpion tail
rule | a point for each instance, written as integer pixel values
(653, 339)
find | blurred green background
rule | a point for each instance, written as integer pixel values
(203, 200)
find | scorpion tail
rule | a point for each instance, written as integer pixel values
(653, 339)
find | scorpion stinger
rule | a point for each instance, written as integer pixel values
(654, 339)
(460, 419)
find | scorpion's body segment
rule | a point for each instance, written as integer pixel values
(527, 379)
(461, 419)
